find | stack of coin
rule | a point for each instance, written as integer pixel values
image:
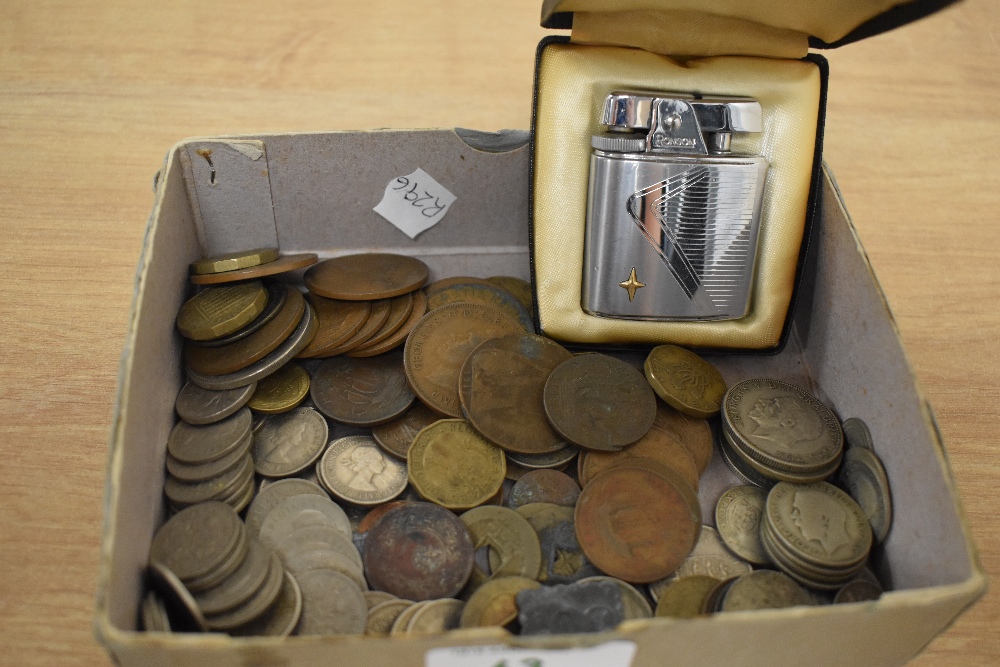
(776, 432)
(815, 533)
(247, 265)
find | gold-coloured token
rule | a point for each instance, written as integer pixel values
(685, 597)
(283, 264)
(436, 616)
(494, 604)
(452, 465)
(281, 391)
(219, 311)
(685, 381)
(234, 260)
(514, 548)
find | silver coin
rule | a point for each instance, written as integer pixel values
(201, 444)
(323, 559)
(357, 470)
(256, 606)
(298, 512)
(560, 457)
(863, 476)
(321, 537)
(199, 406)
(280, 620)
(331, 604)
(636, 604)
(709, 558)
(259, 370)
(241, 585)
(182, 611)
(737, 518)
(764, 589)
(289, 442)
(857, 434)
(270, 496)
(218, 488)
(199, 472)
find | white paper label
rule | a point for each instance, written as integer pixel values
(611, 654)
(415, 203)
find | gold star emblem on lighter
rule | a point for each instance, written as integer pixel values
(632, 284)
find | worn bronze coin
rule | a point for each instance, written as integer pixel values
(396, 436)
(419, 551)
(281, 391)
(441, 284)
(231, 261)
(599, 402)
(494, 604)
(656, 445)
(218, 311)
(198, 406)
(544, 486)
(366, 276)
(200, 444)
(338, 321)
(500, 389)
(283, 264)
(376, 319)
(635, 524)
(693, 433)
(397, 337)
(543, 515)
(487, 295)
(399, 311)
(235, 356)
(355, 470)
(331, 604)
(362, 392)
(289, 442)
(452, 465)
(685, 381)
(519, 288)
(441, 342)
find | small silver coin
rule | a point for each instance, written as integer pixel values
(298, 512)
(857, 434)
(737, 518)
(201, 444)
(864, 478)
(200, 406)
(358, 471)
(241, 585)
(289, 442)
(271, 495)
(199, 472)
(280, 620)
(332, 604)
(636, 604)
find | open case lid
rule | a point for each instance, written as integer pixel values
(777, 28)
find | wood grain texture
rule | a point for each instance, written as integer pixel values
(92, 94)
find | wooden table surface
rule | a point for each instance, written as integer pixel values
(92, 94)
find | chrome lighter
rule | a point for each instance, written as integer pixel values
(672, 214)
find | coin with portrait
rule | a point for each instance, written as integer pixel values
(355, 469)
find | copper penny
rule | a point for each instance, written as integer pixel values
(236, 356)
(375, 515)
(657, 445)
(441, 342)
(692, 432)
(376, 318)
(399, 311)
(281, 265)
(419, 551)
(397, 337)
(441, 284)
(501, 386)
(635, 524)
(366, 276)
(487, 295)
(599, 402)
(338, 321)
(519, 288)
(396, 436)
(544, 486)
(362, 392)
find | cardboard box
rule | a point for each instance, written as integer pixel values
(315, 192)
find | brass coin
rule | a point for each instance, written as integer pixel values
(519, 288)
(199, 406)
(398, 337)
(281, 619)
(494, 604)
(277, 293)
(544, 515)
(338, 321)
(201, 444)
(376, 318)
(737, 517)
(272, 495)
(362, 392)
(402, 621)
(289, 442)
(436, 616)
(242, 353)
(487, 295)
(709, 558)
(635, 524)
(374, 598)
(864, 478)
(331, 604)
(695, 434)
(452, 465)
(396, 436)
(218, 311)
(764, 589)
(544, 486)
(500, 389)
(685, 381)
(400, 308)
(514, 549)
(355, 470)
(366, 276)
(281, 391)
(418, 551)
(234, 260)
(441, 342)
(383, 615)
(283, 264)
(656, 445)
(196, 542)
(598, 402)
(685, 597)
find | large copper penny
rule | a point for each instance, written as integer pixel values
(396, 436)
(376, 318)
(418, 551)
(488, 295)
(657, 445)
(338, 321)
(366, 276)
(362, 392)
(635, 524)
(235, 356)
(694, 433)
(544, 486)
(519, 288)
(441, 342)
(599, 402)
(441, 284)
(397, 337)
(281, 265)
(501, 386)
(399, 312)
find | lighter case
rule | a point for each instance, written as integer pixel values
(672, 214)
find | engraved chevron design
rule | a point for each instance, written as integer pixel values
(699, 223)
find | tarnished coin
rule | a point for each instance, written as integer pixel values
(283, 616)
(375, 514)
(397, 337)
(858, 590)
(383, 615)
(452, 465)
(235, 356)
(196, 543)
(374, 598)
(863, 476)
(376, 319)
(563, 561)
(635, 603)
(501, 387)
(441, 342)
(366, 276)
(514, 550)
(234, 260)
(685, 597)
(558, 459)
(494, 604)
(254, 607)
(695, 434)
(218, 311)
(357, 471)
(857, 434)
(338, 321)
(764, 589)
(277, 293)
(594, 606)
(737, 518)
(362, 392)
(289, 442)
(396, 436)
(438, 285)
(709, 558)
(153, 613)
(419, 551)
(436, 616)
(182, 493)
(331, 604)
(656, 445)
(685, 381)
(543, 515)
(241, 585)
(199, 472)
(281, 391)
(399, 309)
(273, 494)
(199, 406)
(283, 264)
(201, 444)
(182, 611)
(519, 288)
(487, 295)
(635, 524)
(598, 402)
(544, 486)
(299, 546)
(402, 621)
(297, 512)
